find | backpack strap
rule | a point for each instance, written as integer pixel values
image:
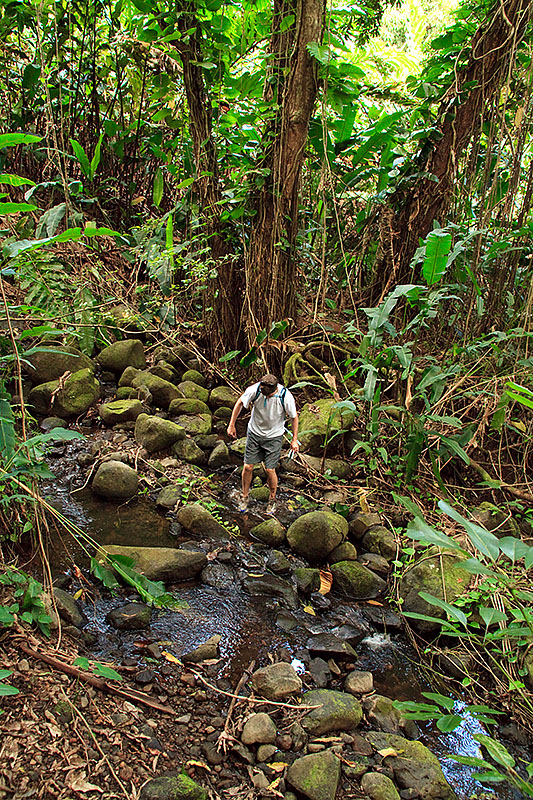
(281, 397)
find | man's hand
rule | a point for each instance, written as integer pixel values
(231, 430)
(295, 445)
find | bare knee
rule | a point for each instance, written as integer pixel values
(248, 469)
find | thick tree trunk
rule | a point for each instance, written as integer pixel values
(271, 264)
(461, 114)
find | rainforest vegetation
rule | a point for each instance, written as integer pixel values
(340, 193)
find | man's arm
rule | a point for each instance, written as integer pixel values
(294, 443)
(237, 408)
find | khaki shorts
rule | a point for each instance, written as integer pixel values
(262, 448)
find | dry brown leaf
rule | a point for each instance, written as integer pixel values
(326, 580)
(170, 657)
(201, 764)
(388, 751)
(362, 495)
(374, 603)
(80, 784)
(278, 766)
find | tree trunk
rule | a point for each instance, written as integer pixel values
(461, 112)
(271, 265)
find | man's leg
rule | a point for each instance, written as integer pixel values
(272, 481)
(247, 473)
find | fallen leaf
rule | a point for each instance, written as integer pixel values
(326, 580)
(137, 200)
(80, 784)
(78, 594)
(388, 751)
(198, 764)
(310, 610)
(278, 766)
(170, 657)
(374, 603)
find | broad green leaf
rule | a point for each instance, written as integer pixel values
(106, 672)
(483, 540)
(476, 567)
(16, 208)
(249, 359)
(96, 157)
(81, 155)
(454, 446)
(102, 573)
(491, 615)
(425, 618)
(12, 139)
(82, 662)
(12, 249)
(286, 23)
(419, 530)
(453, 612)
(158, 188)
(15, 180)
(185, 183)
(260, 338)
(7, 431)
(5, 673)
(229, 356)
(49, 221)
(449, 723)
(441, 700)
(407, 503)
(7, 690)
(277, 328)
(515, 549)
(496, 750)
(438, 245)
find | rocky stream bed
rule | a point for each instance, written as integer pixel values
(277, 676)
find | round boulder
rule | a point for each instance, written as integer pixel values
(50, 363)
(155, 433)
(316, 534)
(118, 356)
(120, 411)
(222, 396)
(352, 579)
(270, 532)
(115, 479)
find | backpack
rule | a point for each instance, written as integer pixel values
(281, 397)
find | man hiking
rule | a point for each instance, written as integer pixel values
(271, 403)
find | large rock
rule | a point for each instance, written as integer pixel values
(320, 420)
(187, 450)
(118, 356)
(120, 411)
(194, 376)
(377, 786)
(354, 580)
(115, 479)
(68, 609)
(190, 389)
(316, 534)
(259, 729)
(188, 405)
(337, 711)
(316, 776)
(272, 586)
(178, 787)
(381, 714)
(130, 617)
(414, 767)
(195, 424)
(382, 541)
(162, 391)
(428, 575)
(69, 398)
(50, 363)
(307, 580)
(222, 396)
(271, 532)
(219, 455)
(197, 519)
(277, 681)
(155, 433)
(497, 521)
(167, 564)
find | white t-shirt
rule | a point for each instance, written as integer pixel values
(268, 417)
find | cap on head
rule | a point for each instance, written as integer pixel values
(269, 380)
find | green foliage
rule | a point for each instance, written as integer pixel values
(101, 670)
(28, 604)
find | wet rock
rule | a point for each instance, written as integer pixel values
(353, 580)
(320, 672)
(206, 442)
(330, 645)
(330, 466)
(220, 576)
(162, 391)
(271, 532)
(167, 564)
(154, 433)
(197, 520)
(73, 397)
(382, 541)
(50, 363)
(316, 776)
(203, 652)
(219, 455)
(49, 423)
(144, 677)
(213, 756)
(243, 752)
(359, 682)
(415, 767)
(266, 751)
(361, 522)
(375, 562)
(277, 681)
(320, 419)
(307, 579)
(316, 534)
(130, 617)
(120, 411)
(195, 424)
(190, 389)
(382, 715)
(187, 450)
(278, 563)
(165, 371)
(188, 405)
(179, 787)
(353, 632)
(344, 552)
(271, 586)
(115, 479)
(118, 356)
(261, 493)
(169, 496)
(286, 621)
(383, 618)
(68, 609)
(427, 575)
(259, 729)
(458, 664)
(222, 396)
(377, 786)
(320, 601)
(194, 376)
(337, 711)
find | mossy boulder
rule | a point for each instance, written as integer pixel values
(115, 479)
(316, 776)
(336, 711)
(414, 767)
(161, 390)
(222, 396)
(155, 433)
(439, 575)
(271, 532)
(118, 356)
(316, 534)
(197, 520)
(321, 420)
(188, 405)
(178, 787)
(219, 455)
(194, 376)
(195, 424)
(128, 376)
(164, 371)
(344, 552)
(187, 450)
(67, 399)
(352, 579)
(50, 363)
(382, 541)
(168, 564)
(377, 786)
(120, 411)
(190, 389)
(307, 579)
(177, 355)
(238, 446)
